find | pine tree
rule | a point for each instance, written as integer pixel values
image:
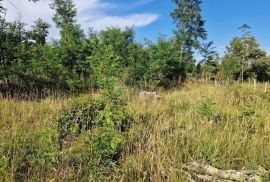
(190, 26)
(40, 31)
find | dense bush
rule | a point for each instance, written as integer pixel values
(94, 128)
(82, 143)
(260, 69)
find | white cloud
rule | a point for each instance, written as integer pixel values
(91, 13)
(27, 11)
(133, 20)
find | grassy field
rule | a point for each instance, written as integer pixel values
(228, 127)
(225, 126)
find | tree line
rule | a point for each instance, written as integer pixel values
(80, 61)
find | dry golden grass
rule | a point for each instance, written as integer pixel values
(21, 117)
(169, 133)
(18, 121)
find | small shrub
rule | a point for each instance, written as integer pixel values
(205, 109)
(90, 134)
(247, 111)
(248, 118)
(94, 155)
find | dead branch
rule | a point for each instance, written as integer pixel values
(210, 173)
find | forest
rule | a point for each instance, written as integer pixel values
(70, 108)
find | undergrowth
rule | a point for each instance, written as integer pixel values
(114, 136)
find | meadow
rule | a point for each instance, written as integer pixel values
(227, 127)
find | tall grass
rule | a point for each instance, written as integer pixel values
(225, 126)
(21, 123)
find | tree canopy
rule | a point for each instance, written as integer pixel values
(78, 62)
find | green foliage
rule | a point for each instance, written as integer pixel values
(208, 52)
(93, 155)
(189, 22)
(121, 43)
(135, 74)
(31, 156)
(94, 127)
(65, 12)
(83, 142)
(190, 29)
(165, 66)
(231, 67)
(40, 31)
(240, 52)
(247, 111)
(32, 68)
(208, 67)
(261, 69)
(248, 118)
(111, 55)
(206, 108)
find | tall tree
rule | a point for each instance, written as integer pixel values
(40, 31)
(190, 26)
(208, 52)
(65, 12)
(247, 45)
(164, 66)
(208, 66)
(244, 49)
(65, 19)
(73, 48)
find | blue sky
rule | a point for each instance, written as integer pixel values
(223, 17)
(151, 17)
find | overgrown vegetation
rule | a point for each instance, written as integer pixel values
(82, 143)
(185, 127)
(92, 140)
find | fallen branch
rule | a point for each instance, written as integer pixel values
(210, 173)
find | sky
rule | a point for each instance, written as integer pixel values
(152, 17)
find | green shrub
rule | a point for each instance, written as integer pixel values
(205, 109)
(94, 155)
(248, 118)
(82, 143)
(90, 134)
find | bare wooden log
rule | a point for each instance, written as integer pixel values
(204, 171)
(207, 178)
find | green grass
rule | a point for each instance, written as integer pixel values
(225, 126)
